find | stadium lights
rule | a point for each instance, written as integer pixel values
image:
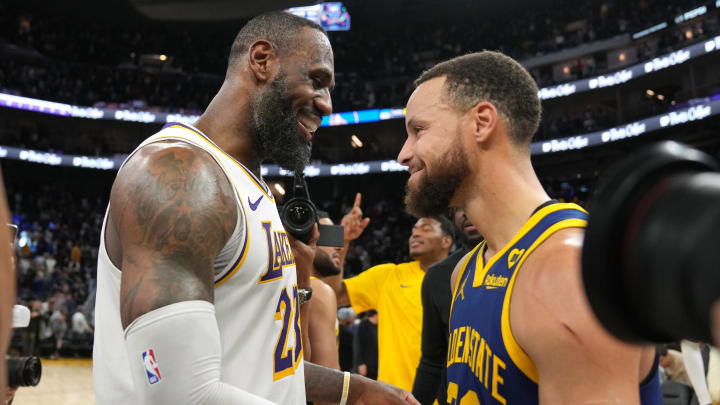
(356, 142)
(660, 97)
(650, 93)
(163, 58)
(621, 57)
(279, 189)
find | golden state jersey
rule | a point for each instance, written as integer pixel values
(485, 365)
(256, 296)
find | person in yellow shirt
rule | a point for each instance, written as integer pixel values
(393, 290)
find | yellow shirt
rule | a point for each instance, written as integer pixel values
(393, 290)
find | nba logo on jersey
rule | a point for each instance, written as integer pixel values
(151, 366)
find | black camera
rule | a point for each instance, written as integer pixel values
(651, 256)
(299, 215)
(23, 371)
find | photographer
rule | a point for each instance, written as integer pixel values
(7, 290)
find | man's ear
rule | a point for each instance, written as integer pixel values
(446, 242)
(484, 118)
(262, 60)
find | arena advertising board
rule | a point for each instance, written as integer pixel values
(697, 112)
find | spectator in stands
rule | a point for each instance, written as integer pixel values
(365, 346)
(80, 327)
(58, 326)
(394, 291)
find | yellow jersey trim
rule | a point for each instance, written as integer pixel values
(463, 269)
(534, 219)
(245, 248)
(268, 194)
(518, 356)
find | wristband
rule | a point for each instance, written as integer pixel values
(346, 388)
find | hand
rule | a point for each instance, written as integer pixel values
(10, 395)
(362, 370)
(364, 391)
(304, 254)
(354, 222)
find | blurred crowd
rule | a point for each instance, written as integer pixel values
(107, 64)
(56, 256)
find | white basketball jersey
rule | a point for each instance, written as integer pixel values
(256, 297)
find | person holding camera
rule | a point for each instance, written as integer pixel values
(521, 329)
(201, 292)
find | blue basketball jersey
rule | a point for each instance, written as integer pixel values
(485, 365)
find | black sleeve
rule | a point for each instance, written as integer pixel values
(429, 372)
(358, 357)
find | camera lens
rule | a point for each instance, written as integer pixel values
(299, 214)
(650, 253)
(24, 371)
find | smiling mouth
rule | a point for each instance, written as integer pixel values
(308, 134)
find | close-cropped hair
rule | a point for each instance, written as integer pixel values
(279, 28)
(496, 78)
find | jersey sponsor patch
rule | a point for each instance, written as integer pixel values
(151, 366)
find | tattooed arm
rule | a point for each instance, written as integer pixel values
(171, 209)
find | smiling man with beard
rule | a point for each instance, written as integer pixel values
(200, 289)
(521, 329)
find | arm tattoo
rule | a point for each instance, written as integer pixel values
(178, 211)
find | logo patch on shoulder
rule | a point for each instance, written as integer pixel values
(151, 366)
(514, 256)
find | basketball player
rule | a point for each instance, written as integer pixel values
(393, 290)
(521, 329)
(198, 296)
(436, 298)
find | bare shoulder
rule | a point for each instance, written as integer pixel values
(323, 296)
(173, 209)
(553, 323)
(549, 285)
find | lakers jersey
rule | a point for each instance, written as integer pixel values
(256, 296)
(485, 365)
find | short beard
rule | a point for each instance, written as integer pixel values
(434, 192)
(275, 129)
(324, 265)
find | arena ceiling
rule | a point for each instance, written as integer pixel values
(210, 10)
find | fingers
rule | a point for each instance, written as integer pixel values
(365, 223)
(410, 399)
(314, 236)
(358, 200)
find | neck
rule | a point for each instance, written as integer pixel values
(428, 260)
(227, 122)
(502, 199)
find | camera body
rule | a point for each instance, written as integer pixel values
(299, 216)
(22, 371)
(650, 256)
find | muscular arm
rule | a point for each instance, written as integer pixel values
(173, 210)
(323, 315)
(552, 321)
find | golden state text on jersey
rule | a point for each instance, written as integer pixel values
(485, 365)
